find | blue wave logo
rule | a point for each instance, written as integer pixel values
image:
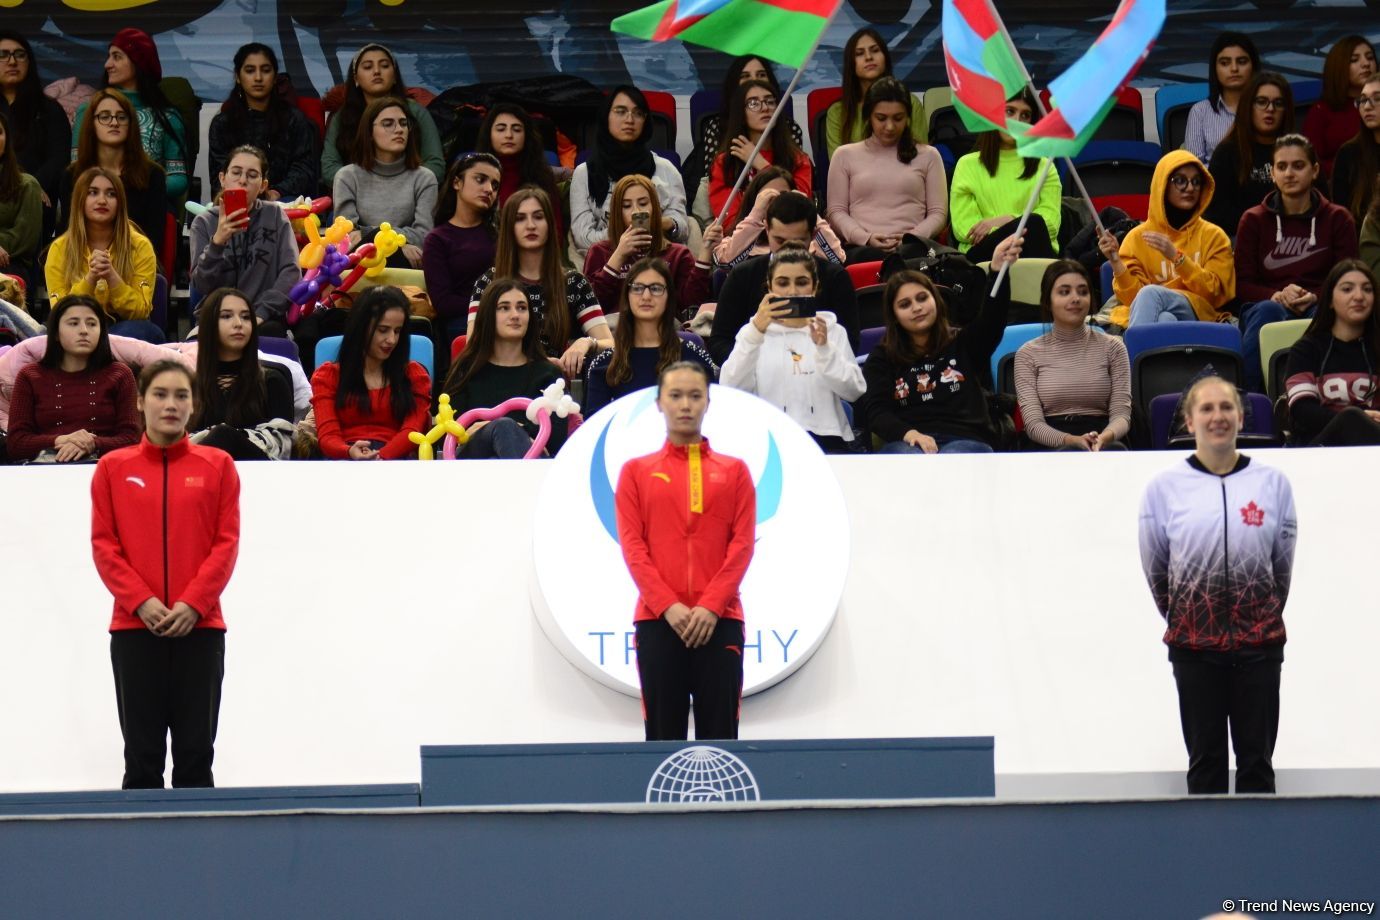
(601, 489)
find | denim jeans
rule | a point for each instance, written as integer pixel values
(946, 446)
(1158, 304)
(501, 439)
(142, 329)
(1253, 317)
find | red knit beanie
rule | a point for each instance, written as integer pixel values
(140, 49)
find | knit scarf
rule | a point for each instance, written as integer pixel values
(611, 160)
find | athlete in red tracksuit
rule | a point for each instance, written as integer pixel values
(686, 522)
(165, 526)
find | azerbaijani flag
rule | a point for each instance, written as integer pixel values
(983, 69)
(1084, 94)
(786, 31)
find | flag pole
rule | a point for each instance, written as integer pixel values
(1025, 217)
(1030, 83)
(766, 132)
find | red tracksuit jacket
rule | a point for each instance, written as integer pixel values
(165, 523)
(687, 520)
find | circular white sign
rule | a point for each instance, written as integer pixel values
(582, 593)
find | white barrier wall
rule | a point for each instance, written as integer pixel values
(379, 607)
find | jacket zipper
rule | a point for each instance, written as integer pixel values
(167, 594)
(1226, 563)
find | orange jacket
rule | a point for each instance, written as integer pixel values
(165, 523)
(685, 544)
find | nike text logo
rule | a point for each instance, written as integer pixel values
(1275, 263)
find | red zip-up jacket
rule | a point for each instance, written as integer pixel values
(685, 544)
(165, 523)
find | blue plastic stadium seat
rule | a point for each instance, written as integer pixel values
(328, 348)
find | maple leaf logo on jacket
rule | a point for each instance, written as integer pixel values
(1253, 516)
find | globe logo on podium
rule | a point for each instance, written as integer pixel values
(702, 774)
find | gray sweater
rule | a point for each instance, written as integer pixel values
(390, 192)
(261, 261)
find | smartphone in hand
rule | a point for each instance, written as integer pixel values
(234, 199)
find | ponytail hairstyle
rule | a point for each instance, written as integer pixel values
(1224, 41)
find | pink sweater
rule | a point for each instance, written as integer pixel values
(871, 191)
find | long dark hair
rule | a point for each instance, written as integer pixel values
(889, 89)
(1336, 74)
(556, 322)
(1241, 135)
(363, 153)
(897, 345)
(852, 85)
(10, 173)
(1326, 315)
(479, 347)
(1056, 270)
(28, 97)
(668, 352)
(734, 75)
(447, 198)
(135, 164)
(247, 396)
(351, 112)
(365, 314)
(759, 181)
(53, 353)
(236, 106)
(531, 160)
(1367, 164)
(1224, 41)
(782, 146)
(989, 142)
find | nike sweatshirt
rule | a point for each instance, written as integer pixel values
(1275, 250)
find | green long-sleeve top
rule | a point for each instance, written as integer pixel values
(833, 125)
(166, 148)
(975, 195)
(21, 220)
(428, 138)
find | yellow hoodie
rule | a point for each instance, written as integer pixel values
(1207, 275)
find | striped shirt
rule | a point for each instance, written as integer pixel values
(1073, 373)
(585, 312)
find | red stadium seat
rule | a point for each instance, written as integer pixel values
(1138, 206)
(865, 274)
(457, 345)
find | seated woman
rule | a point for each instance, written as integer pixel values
(373, 396)
(623, 146)
(1333, 119)
(748, 116)
(991, 186)
(740, 70)
(803, 364)
(1073, 383)
(373, 75)
(77, 402)
(886, 185)
(1240, 165)
(21, 212)
(110, 139)
(461, 245)
(1370, 233)
(634, 233)
(923, 391)
(866, 59)
(243, 406)
(560, 301)
(257, 115)
(132, 67)
(503, 358)
(1176, 265)
(1358, 161)
(646, 340)
(253, 250)
(38, 126)
(511, 135)
(104, 256)
(387, 183)
(1330, 377)
(1285, 248)
(749, 237)
(1232, 63)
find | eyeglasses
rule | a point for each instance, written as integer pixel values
(637, 289)
(1264, 102)
(760, 103)
(392, 124)
(18, 55)
(622, 111)
(112, 118)
(1366, 102)
(248, 175)
(1186, 182)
